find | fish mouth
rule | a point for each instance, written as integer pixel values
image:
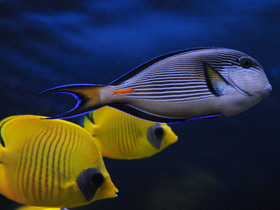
(266, 90)
(264, 96)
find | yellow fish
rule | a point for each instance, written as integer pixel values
(122, 136)
(51, 163)
(39, 208)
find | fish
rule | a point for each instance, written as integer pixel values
(123, 136)
(51, 163)
(39, 208)
(179, 86)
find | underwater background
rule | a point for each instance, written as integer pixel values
(228, 163)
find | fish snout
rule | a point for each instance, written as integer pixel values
(266, 90)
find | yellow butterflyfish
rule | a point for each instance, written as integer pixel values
(51, 163)
(39, 208)
(123, 136)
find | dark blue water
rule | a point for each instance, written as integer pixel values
(218, 164)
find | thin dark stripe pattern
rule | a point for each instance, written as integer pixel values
(170, 82)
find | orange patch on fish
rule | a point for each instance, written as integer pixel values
(124, 91)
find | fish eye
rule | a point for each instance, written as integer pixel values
(245, 62)
(89, 181)
(159, 132)
(98, 179)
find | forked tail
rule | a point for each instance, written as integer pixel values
(87, 95)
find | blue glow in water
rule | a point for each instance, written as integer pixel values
(217, 164)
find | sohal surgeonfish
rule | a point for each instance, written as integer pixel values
(51, 163)
(123, 136)
(187, 84)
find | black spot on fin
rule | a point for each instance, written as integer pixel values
(145, 65)
(215, 81)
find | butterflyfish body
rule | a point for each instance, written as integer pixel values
(182, 85)
(39, 208)
(51, 163)
(123, 136)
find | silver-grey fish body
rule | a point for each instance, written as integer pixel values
(196, 83)
(176, 87)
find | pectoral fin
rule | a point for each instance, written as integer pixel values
(215, 81)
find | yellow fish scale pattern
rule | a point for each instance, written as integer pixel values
(49, 163)
(122, 136)
(45, 164)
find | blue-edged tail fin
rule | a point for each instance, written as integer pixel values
(87, 95)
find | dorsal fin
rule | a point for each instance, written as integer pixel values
(143, 66)
(89, 124)
(2, 142)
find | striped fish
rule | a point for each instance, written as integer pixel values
(39, 208)
(50, 163)
(122, 136)
(183, 85)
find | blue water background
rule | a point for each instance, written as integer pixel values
(217, 164)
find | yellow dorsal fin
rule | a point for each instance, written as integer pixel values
(89, 125)
(98, 118)
(2, 122)
(103, 115)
